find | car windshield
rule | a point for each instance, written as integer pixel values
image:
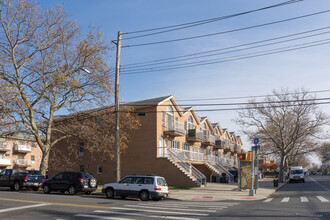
(161, 182)
(297, 172)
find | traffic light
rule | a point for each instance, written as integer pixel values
(246, 156)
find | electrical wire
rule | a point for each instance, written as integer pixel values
(124, 67)
(229, 31)
(231, 47)
(228, 59)
(201, 22)
(246, 97)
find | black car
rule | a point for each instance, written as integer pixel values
(73, 182)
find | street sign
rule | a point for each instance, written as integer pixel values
(256, 141)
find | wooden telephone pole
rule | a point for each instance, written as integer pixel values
(117, 145)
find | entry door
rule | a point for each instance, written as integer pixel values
(166, 147)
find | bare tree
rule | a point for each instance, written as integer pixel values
(43, 63)
(324, 154)
(284, 122)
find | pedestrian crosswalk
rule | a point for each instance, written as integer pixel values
(301, 199)
(159, 210)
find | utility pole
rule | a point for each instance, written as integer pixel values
(117, 146)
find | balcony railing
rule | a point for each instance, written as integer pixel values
(208, 140)
(194, 135)
(4, 147)
(175, 129)
(5, 162)
(23, 163)
(184, 154)
(22, 148)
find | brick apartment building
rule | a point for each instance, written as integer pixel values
(172, 141)
(19, 151)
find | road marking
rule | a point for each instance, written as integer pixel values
(158, 211)
(144, 215)
(152, 207)
(285, 199)
(322, 199)
(320, 184)
(54, 203)
(22, 207)
(303, 199)
(101, 217)
(268, 200)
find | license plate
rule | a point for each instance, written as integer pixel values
(36, 184)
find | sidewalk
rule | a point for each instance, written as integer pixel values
(225, 191)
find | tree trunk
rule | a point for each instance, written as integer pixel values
(44, 162)
(281, 169)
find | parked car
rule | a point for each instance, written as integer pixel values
(142, 186)
(312, 172)
(16, 179)
(73, 182)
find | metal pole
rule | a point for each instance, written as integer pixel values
(117, 146)
(251, 193)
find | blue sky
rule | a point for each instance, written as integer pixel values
(308, 68)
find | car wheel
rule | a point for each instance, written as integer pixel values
(144, 195)
(110, 193)
(46, 189)
(72, 190)
(17, 186)
(35, 188)
(12, 188)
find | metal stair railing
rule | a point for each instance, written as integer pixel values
(201, 178)
(223, 169)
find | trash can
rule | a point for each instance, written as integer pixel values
(275, 182)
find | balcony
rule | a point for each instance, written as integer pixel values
(237, 149)
(220, 144)
(22, 148)
(194, 135)
(175, 129)
(5, 162)
(4, 147)
(23, 163)
(208, 140)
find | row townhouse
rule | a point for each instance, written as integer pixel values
(19, 151)
(173, 142)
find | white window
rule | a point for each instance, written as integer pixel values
(190, 123)
(216, 133)
(82, 168)
(163, 117)
(186, 147)
(175, 144)
(20, 157)
(169, 118)
(81, 149)
(33, 158)
(32, 146)
(2, 156)
(99, 169)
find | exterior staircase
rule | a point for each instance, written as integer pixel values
(188, 169)
(218, 168)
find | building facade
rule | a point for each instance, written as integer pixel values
(173, 142)
(19, 151)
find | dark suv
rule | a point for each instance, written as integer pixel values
(73, 182)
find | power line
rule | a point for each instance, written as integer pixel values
(229, 31)
(246, 97)
(201, 22)
(191, 57)
(228, 104)
(226, 59)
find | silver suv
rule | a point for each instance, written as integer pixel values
(142, 186)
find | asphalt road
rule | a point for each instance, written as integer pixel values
(308, 200)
